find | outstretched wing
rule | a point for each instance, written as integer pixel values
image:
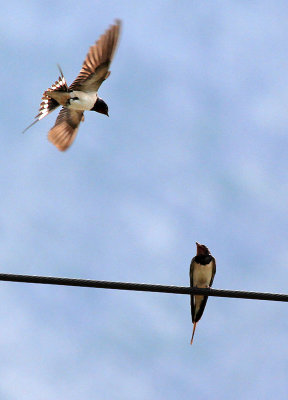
(47, 104)
(95, 68)
(66, 127)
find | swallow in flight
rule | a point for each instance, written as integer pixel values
(82, 94)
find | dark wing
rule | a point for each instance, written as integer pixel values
(95, 68)
(65, 129)
(192, 285)
(191, 272)
(213, 272)
(201, 309)
(47, 104)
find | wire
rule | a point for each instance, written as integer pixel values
(143, 287)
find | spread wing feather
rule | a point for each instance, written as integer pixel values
(95, 68)
(48, 104)
(66, 127)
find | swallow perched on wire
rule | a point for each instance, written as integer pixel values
(202, 272)
(82, 94)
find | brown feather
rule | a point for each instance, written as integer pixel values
(65, 129)
(95, 68)
(60, 97)
(47, 103)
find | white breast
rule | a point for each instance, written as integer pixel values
(85, 100)
(201, 278)
(202, 274)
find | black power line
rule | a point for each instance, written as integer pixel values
(142, 287)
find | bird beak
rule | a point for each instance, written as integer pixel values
(198, 251)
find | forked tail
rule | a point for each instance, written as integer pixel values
(48, 104)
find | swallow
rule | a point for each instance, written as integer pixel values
(82, 94)
(202, 272)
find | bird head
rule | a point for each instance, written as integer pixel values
(202, 250)
(100, 106)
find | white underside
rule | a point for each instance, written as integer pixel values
(201, 277)
(202, 274)
(85, 100)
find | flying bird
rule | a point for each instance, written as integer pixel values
(82, 94)
(202, 272)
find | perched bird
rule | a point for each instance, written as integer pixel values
(82, 94)
(202, 272)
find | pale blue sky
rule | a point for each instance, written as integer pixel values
(195, 149)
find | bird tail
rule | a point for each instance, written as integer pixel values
(49, 104)
(194, 327)
(58, 92)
